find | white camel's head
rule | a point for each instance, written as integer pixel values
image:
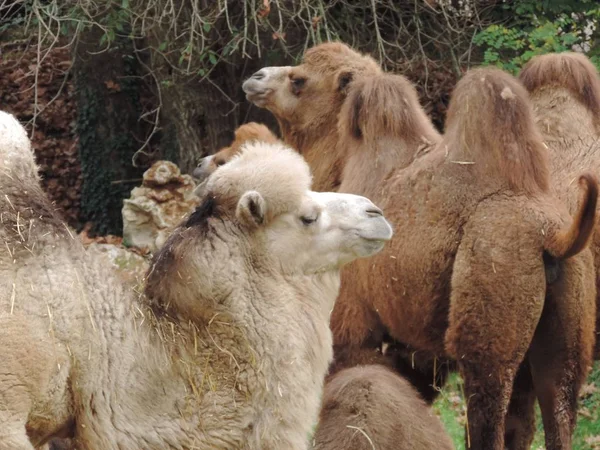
(258, 215)
(301, 230)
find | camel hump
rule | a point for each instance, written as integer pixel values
(569, 70)
(570, 241)
(16, 155)
(490, 123)
(384, 105)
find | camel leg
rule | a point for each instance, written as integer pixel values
(561, 351)
(498, 290)
(520, 420)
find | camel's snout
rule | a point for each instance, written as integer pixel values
(201, 173)
(374, 227)
(264, 82)
(259, 75)
(374, 211)
(203, 170)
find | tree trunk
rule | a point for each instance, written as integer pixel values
(107, 92)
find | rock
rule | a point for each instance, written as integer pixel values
(155, 208)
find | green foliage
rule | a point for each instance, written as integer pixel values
(451, 408)
(533, 28)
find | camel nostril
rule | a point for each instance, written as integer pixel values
(374, 212)
(258, 75)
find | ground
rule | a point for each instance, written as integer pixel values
(451, 408)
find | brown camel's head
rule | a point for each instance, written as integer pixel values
(312, 93)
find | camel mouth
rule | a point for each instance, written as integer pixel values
(370, 247)
(256, 90)
(259, 97)
(381, 231)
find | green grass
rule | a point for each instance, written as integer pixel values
(450, 406)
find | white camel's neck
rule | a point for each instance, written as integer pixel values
(169, 383)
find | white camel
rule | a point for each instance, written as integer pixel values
(229, 344)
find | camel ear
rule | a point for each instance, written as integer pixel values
(251, 209)
(343, 81)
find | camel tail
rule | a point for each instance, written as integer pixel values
(490, 125)
(571, 71)
(568, 242)
(17, 161)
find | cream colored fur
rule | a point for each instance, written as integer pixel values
(227, 349)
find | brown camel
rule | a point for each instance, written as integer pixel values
(247, 132)
(319, 84)
(565, 93)
(471, 283)
(366, 407)
(306, 101)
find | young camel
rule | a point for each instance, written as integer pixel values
(366, 407)
(484, 229)
(229, 345)
(247, 132)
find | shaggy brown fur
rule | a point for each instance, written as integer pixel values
(565, 92)
(471, 283)
(483, 197)
(368, 407)
(569, 71)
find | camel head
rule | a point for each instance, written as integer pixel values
(247, 132)
(313, 92)
(258, 214)
(267, 189)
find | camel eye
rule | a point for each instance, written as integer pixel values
(297, 84)
(308, 220)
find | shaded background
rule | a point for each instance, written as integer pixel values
(107, 87)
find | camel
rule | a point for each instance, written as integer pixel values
(247, 132)
(564, 89)
(227, 347)
(565, 92)
(366, 407)
(320, 84)
(494, 263)
(306, 101)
